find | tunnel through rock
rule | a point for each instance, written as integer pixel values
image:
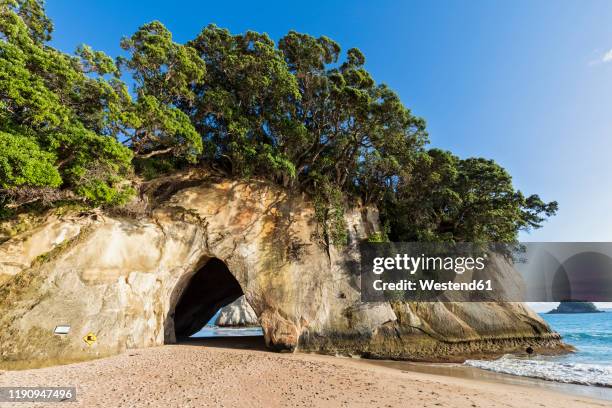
(212, 287)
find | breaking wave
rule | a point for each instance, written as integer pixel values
(564, 372)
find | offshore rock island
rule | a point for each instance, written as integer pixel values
(575, 307)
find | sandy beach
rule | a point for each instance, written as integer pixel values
(239, 373)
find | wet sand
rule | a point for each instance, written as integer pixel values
(466, 372)
(238, 372)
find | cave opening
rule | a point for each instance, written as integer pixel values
(208, 291)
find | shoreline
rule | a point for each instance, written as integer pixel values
(205, 371)
(473, 373)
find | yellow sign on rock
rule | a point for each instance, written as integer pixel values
(90, 338)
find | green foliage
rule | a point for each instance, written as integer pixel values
(161, 67)
(165, 73)
(157, 166)
(243, 107)
(354, 134)
(97, 62)
(471, 200)
(329, 207)
(32, 13)
(55, 119)
(162, 129)
(103, 191)
(299, 113)
(380, 236)
(23, 163)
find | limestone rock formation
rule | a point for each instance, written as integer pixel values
(237, 313)
(138, 281)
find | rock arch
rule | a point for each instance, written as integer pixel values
(122, 278)
(199, 296)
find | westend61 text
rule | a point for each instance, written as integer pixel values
(432, 285)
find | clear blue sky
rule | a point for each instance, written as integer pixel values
(526, 83)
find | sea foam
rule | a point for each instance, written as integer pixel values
(565, 372)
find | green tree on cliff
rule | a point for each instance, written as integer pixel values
(164, 73)
(57, 113)
(300, 113)
(450, 199)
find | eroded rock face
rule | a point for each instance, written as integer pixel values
(237, 314)
(126, 280)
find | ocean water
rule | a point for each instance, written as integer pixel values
(210, 330)
(215, 331)
(591, 364)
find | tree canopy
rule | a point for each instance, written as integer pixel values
(57, 112)
(470, 200)
(297, 112)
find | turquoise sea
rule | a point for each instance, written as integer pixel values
(591, 364)
(590, 333)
